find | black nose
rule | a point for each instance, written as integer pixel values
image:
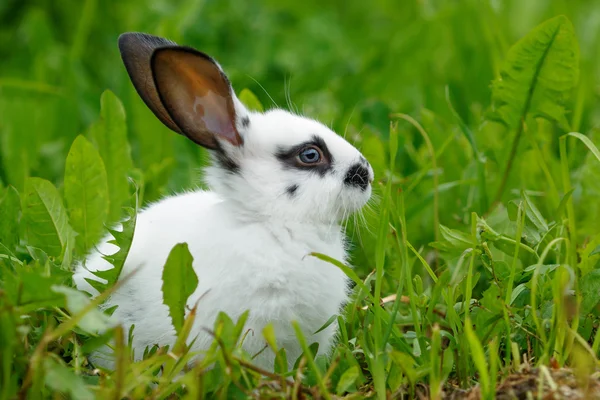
(358, 176)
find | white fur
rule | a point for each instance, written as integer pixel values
(250, 240)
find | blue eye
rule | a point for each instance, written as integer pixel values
(310, 155)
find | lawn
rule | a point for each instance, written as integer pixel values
(476, 268)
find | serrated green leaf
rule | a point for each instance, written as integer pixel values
(110, 136)
(86, 192)
(44, 217)
(250, 100)
(179, 282)
(538, 76)
(122, 239)
(10, 210)
(60, 378)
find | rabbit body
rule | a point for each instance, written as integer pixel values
(270, 275)
(280, 184)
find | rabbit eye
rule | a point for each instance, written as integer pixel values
(310, 155)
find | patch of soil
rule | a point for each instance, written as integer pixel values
(548, 384)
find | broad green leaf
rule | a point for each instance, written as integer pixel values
(10, 210)
(86, 192)
(453, 241)
(94, 321)
(67, 258)
(347, 380)
(517, 291)
(250, 100)
(491, 299)
(122, 239)
(456, 237)
(60, 378)
(44, 217)
(534, 214)
(110, 136)
(38, 255)
(179, 282)
(538, 76)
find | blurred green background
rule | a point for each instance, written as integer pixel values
(347, 63)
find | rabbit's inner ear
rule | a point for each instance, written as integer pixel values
(196, 94)
(136, 51)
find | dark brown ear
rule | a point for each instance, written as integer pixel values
(196, 95)
(136, 52)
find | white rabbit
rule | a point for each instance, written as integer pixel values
(280, 184)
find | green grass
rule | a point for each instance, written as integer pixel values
(480, 119)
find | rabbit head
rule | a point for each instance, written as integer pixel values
(271, 164)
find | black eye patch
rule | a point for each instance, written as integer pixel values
(289, 156)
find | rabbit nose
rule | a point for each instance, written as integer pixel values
(366, 163)
(358, 176)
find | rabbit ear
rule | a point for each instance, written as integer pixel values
(136, 52)
(196, 94)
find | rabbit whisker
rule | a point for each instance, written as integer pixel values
(348, 122)
(264, 90)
